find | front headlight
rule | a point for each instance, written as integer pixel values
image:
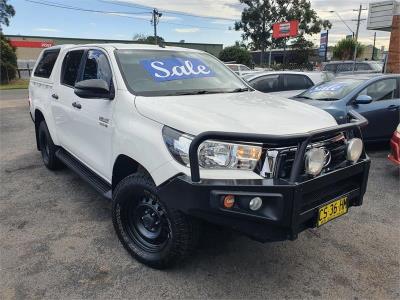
(212, 154)
(216, 155)
(315, 160)
(178, 144)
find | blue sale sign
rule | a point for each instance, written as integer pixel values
(176, 68)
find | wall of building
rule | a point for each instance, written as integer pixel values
(31, 53)
(393, 64)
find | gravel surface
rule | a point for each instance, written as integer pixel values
(57, 240)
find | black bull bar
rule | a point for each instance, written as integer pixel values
(356, 122)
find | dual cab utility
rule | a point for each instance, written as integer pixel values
(175, 138)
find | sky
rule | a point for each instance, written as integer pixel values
(212, 23)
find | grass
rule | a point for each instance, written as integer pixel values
(15, 84)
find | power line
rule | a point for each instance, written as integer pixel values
(59, 5)
(173, 12)
(117, 13)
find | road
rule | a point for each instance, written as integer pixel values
(57, 240)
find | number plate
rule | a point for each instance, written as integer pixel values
(332, 210)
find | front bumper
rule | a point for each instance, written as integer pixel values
(394, 156)
(288, 208)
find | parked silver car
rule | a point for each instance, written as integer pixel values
(286, 83)
(347, 67)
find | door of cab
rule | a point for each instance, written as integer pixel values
(63, 96)
(383, 112)
(92, 117)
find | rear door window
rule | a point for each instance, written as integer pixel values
(346, 67)
(70, 67)
(266, 84)
(363, 67)
(46, 63)
(296, 82)
(330, 68)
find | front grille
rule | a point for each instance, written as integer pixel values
(323, 194)
(278, 162)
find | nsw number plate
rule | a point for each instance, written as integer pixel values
(332, 210)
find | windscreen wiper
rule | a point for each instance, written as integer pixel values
(327, 99)
(201, 92)
(239, 90)
(303, 97)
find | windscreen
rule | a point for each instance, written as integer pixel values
(170, 73)
(332, 90)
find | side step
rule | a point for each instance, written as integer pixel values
(98, 183)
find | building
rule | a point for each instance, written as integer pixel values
(29, 47)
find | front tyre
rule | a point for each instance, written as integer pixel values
(152, 233)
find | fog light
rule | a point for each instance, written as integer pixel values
(315, 160)
(354, 149)
(229, 201)
(255, 203)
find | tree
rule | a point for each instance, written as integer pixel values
(259, 16)
(344, 49)
(235, 53)
(6, 12)
(8, 60)
(302, 49)
(148, 39)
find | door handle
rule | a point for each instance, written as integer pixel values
(76, 105)
(55, 96)
(393, 107)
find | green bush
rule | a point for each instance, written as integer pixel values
(237, 54)
(344, 49)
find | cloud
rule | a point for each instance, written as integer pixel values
(144, 16)
(345, 9)
(187, 30)
(119, 35)
(44, 29)
(214, 8)
(232, 9)
(223, 22)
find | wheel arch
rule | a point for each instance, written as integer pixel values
(39, 117)
(125, 166)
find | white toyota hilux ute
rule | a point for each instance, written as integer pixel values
(175, 139)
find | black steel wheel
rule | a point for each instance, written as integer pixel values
(152, 233)
(147, 224)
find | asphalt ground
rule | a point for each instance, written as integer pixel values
(57, 240)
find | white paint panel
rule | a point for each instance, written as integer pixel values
(380, 15)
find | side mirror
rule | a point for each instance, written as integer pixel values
(92, 88)
(363, 99)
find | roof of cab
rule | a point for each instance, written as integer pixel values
(121, 46)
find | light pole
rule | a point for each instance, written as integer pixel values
(340, 18)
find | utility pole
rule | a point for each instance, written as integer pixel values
(156, 15)
(373, 48)
(356, 37)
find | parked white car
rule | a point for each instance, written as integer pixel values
(174, 139)
(286, 83)
(241, 70)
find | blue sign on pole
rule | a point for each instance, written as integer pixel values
(323, 44)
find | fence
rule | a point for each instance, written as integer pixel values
(24, 68)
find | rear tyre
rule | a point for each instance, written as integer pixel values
(155, 235)
(47, 148)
